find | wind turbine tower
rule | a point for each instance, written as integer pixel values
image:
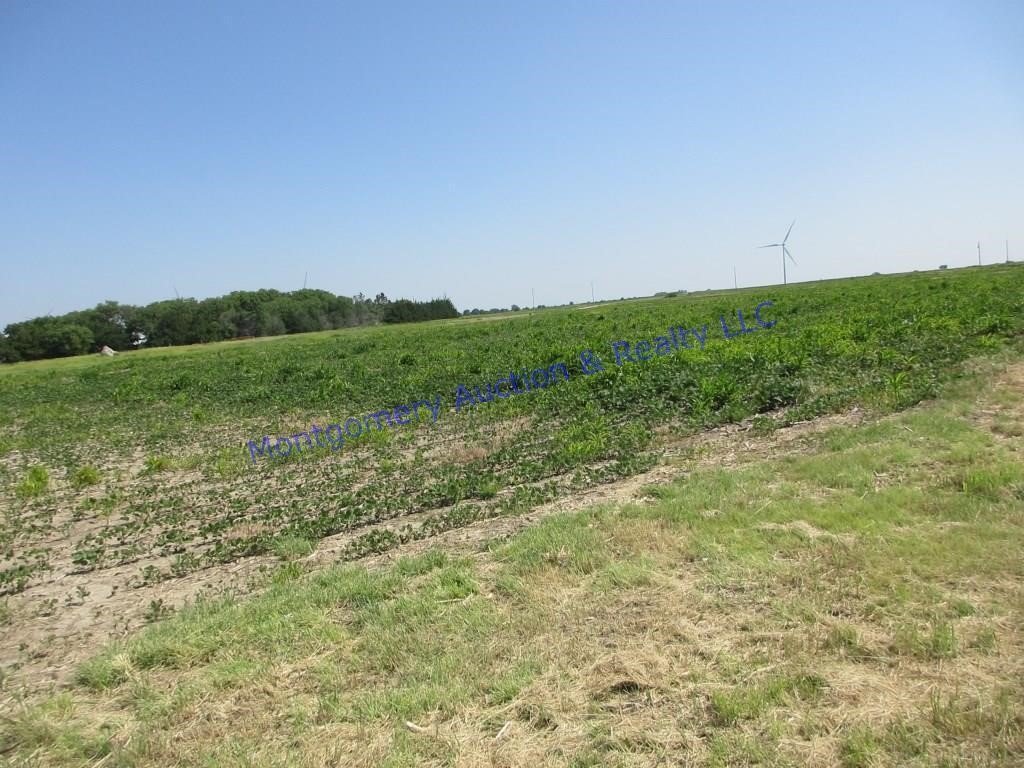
(785, 251)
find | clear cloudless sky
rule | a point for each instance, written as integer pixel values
(480, 149)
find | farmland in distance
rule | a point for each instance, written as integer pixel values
(122, 477)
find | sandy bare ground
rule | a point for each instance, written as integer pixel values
(46, 636)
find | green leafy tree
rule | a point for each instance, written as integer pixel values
(188, 321)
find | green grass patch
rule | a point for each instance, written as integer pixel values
(745, 702)
(36, 483)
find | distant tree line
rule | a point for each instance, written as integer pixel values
(188, 321)
(405, 311)
(493, 310)
(513, 308)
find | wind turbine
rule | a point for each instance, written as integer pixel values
(785, 251)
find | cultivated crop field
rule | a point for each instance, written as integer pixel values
(126, 484)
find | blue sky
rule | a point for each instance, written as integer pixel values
(478, 150)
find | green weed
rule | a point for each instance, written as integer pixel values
(36, 482)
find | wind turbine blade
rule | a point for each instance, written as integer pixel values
(785, 250)
(787, 232)
(770, 245)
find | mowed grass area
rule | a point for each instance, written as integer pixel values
(856, 602)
